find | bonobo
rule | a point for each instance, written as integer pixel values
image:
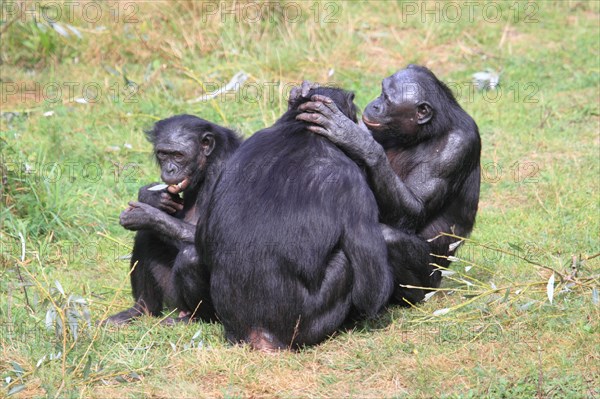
(191, 153)
(292, 238)
(421, 154)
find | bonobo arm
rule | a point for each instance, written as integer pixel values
(400, 202)
(140, 216)
(161, 199)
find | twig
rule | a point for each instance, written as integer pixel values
(20, 275)
(295, 334)
(560, 275)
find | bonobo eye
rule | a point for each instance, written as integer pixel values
(178, 156)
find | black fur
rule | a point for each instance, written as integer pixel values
(164, 259)
(292, 237)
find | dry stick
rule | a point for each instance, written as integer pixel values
(60, 388)
(591, 257)
(295, 334)
(194, 313)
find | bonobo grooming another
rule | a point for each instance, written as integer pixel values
(421, 154)
(294, 245)
(191, 153)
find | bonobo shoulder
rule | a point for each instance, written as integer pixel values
(460, 147)
(465, 138)
(462, 138)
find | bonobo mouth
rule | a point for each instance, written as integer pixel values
(369, 123)
(179, 187)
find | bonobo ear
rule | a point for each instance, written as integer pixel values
(207, 143)
(424, 112)
(350, 108)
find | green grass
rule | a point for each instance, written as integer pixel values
(67, 176)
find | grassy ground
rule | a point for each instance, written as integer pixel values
(69, 168)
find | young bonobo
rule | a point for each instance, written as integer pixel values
(165, 266)
(421, 153)
(292, 237)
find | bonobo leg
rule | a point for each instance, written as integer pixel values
(151, 262)
(324, 308)
(192, 280)
(327, 308)
(409, 259)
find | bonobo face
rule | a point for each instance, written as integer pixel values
(182, 156)
(401, 108)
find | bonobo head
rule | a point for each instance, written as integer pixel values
(185, 146)
(411, 108)
(343, 99)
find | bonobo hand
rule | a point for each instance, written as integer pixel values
(330, 122)
(162, 199)
(300, 91)
(139, 216)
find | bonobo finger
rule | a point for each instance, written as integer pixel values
(318, 130)
(321, 98)
(176, 206)
(318, 108)
(171, 207)
(124, 219)
(170, 210)
(294, 95)
(307, 86)
(171, 200)
(167, 209)
(173, 197)
(310, 117)
(135, 204)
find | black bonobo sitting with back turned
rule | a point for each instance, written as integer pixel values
(191, 152)
(421, 154)
(292, 237)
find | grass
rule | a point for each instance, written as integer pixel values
(69, 168)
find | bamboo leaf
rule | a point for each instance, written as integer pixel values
(550, 288)
(441, 312)
(59, 287)
(17, 368)
(87, 367)
(16, 389)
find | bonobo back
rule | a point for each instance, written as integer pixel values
(292, 238)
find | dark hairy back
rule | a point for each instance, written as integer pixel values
(294, 177)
